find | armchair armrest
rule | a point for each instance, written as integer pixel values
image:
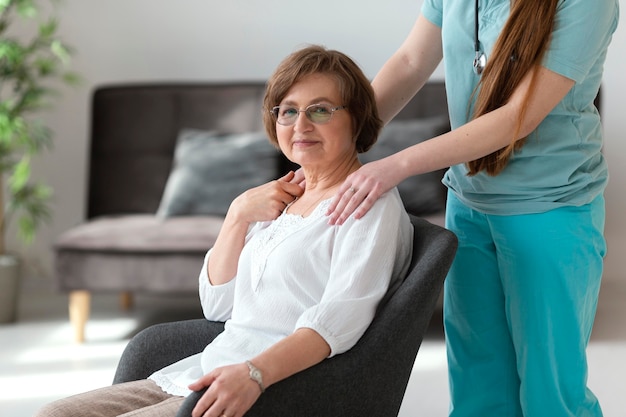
(163, 344)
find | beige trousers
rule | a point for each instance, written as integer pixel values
(141, 398)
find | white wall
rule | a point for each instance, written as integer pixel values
(196, 40)
(614, 121)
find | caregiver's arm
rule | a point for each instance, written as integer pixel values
(479, 137)
(408, 69)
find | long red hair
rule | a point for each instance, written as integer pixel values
(518, 50)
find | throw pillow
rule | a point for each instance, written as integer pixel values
(421, 194)
(211, 169)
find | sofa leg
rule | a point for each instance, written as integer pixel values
(79, 306)
(126, 300)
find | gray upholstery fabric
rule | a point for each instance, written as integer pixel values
(368, 380)
(163, 344)
(134, 130)
(211, 169)
(135, 253)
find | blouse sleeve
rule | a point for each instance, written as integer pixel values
(367, 255)
(216, 300)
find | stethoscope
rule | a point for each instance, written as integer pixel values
(480, 59)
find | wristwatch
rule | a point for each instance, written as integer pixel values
(256, 375)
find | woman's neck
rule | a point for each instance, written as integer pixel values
(321, 186)
(317, 182)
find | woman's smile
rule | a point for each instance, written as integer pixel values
(305, 142)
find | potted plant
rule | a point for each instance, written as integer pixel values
(32, 59)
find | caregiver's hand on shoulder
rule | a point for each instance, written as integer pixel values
(360, 190)
(267, 201)
(231, 392)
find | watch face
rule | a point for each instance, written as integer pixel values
(256, 374)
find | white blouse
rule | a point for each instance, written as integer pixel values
(300, 272)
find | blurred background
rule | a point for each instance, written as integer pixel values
(199, 40)
(207, 40)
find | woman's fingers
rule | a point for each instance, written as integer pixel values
(357, 194)
(201, 383)
(352, 200)
(293, 183)
(267, 201)
(288, 176)
(292, 190)
(231, 392)
(298, 178)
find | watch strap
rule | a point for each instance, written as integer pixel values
(256, 375)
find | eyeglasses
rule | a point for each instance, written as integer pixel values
(287, 115)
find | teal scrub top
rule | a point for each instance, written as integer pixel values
(561, 163)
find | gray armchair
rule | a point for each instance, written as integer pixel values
(368, 380)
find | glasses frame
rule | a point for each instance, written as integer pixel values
(274, 112)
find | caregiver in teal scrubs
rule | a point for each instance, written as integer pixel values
(526, 182)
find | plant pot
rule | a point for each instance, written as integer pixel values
(9, 287)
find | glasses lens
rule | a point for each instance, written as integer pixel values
(285, 115)
(318, 113)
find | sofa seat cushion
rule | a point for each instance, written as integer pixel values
(143, 234)
(135, 253)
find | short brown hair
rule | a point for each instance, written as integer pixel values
(356, 90)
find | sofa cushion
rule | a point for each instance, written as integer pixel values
(211, 169)
(135, 253)
(142, 233)
(421, 194)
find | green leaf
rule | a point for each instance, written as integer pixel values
(27, 64)
(21, 175)
(48, 29)
(27, 229)
(4, 4)
(60, 51)
(45, 66)
(72, 78)
(33, 201)
(26, 8)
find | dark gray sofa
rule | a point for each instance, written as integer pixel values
(138, 236)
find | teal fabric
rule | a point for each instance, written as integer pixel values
(561, 163)
(520, 301)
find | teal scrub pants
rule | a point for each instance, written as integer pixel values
(519, 305)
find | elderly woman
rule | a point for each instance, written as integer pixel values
(292, 289)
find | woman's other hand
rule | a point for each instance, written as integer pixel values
(231, 392)
(298, 178)
(267, 201)
(361, 189)
(263, 203)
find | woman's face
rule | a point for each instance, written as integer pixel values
(312, 145)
